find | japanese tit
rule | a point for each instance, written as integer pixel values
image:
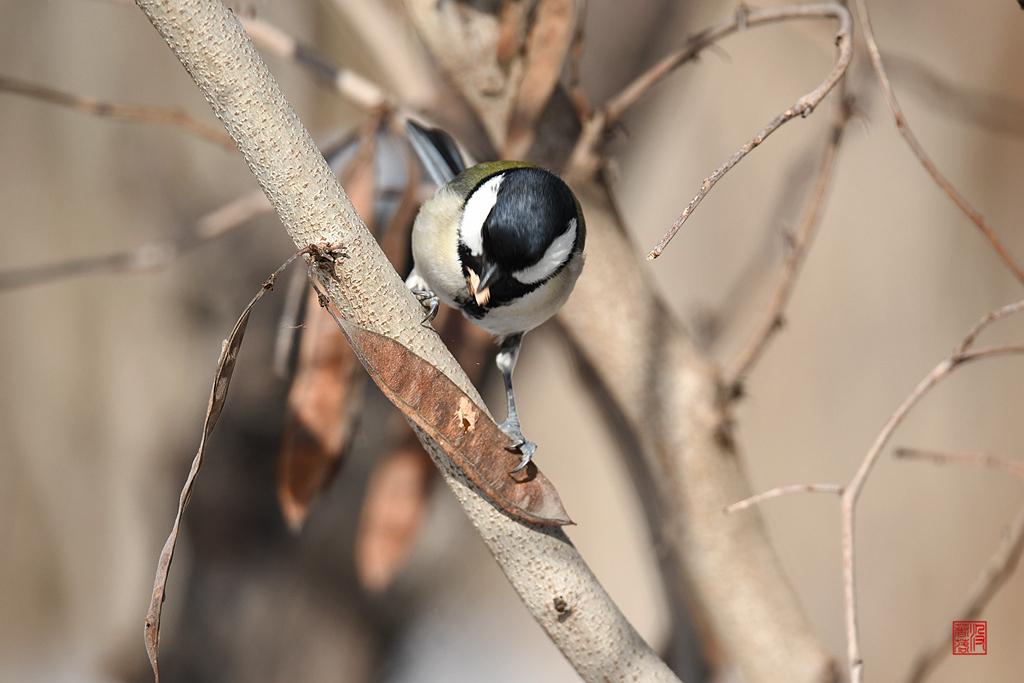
(501, 241)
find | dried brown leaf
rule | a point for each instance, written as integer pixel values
(547, 48)
(323, 406)
(511, 31)
(436, 405)
(396, 499)
(218, 396)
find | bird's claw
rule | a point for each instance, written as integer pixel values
(525, 448)
(430, 303)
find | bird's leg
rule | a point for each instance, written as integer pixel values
(428, 300)
(508, 354)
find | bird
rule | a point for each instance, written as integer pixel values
(500, 241)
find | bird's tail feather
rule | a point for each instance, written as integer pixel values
(437, 152)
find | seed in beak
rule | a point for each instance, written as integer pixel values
(482, 296)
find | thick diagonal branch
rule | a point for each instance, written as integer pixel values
(671, 399)
(541, 564)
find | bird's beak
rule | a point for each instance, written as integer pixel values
(480, 286)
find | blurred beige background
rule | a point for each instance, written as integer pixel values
(104, 378)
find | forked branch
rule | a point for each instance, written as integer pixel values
(963, 354)
(585, 157)
(802, 107)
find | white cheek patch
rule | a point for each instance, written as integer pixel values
(553, 259)
(478, 208)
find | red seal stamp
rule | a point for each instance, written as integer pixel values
(970, 637)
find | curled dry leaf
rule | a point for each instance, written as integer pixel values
(511, 31)
(323, 406)
(431, 401)
(396, 500)
(218, 396)
(547, 48)
(399, 487)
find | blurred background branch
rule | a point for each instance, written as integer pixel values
(918, 149)
(137, 113)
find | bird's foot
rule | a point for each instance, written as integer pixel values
(428, 300)
(526, 449)
(519, 444)
(430, 303)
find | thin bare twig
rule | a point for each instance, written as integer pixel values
(585, 157)
(150, 256)
(918, 149)
(1014, 467)
(138, 113)
(784, 491)
(961, 356)
(395, 55)
(986, 320)
(161, 253)
(994, 576)
(773, 319)
(802, 107)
